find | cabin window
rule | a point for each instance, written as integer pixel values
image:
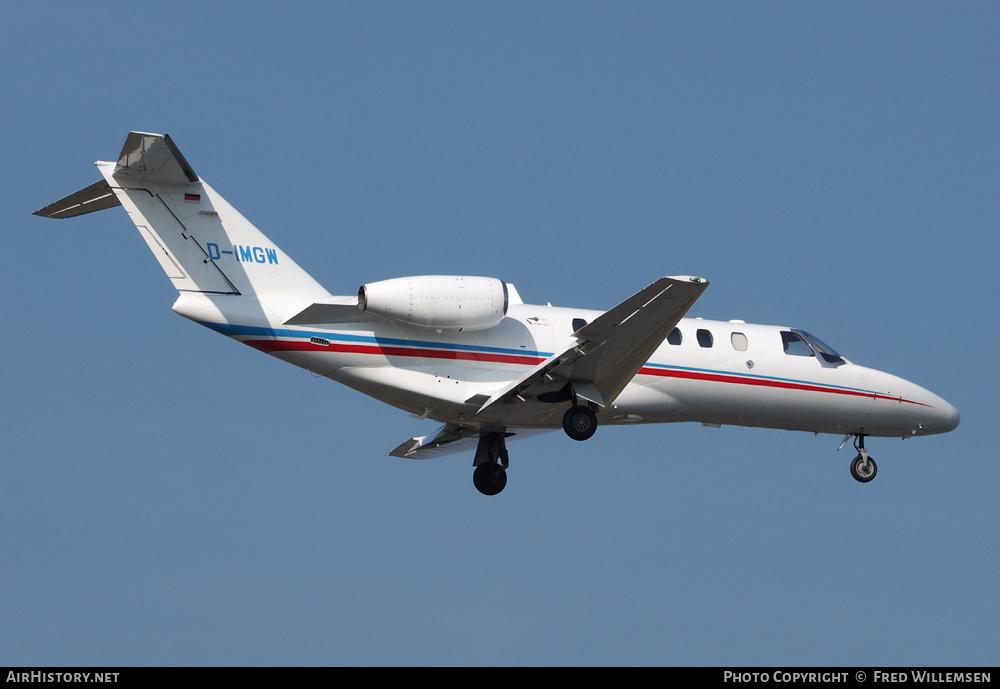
(675, 337)
(578, 323)
(794, 344)
(739, 341)
(704, 338)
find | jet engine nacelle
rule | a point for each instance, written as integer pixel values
(446, 302)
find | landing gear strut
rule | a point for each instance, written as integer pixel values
(863, 467)
(491, 462)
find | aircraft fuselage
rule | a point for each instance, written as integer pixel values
(720, 372)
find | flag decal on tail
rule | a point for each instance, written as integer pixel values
(193, 197)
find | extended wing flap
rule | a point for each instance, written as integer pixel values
(451, 439)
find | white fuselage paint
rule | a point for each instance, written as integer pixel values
(440, 374)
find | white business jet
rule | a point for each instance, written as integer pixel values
(468, 353)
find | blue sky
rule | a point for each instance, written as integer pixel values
(169, 497)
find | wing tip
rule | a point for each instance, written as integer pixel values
(406, 448)
(688, 278)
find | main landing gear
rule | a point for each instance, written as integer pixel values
(491, 462)
(863, 467)
(580, 422)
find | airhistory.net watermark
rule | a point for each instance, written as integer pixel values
(62, 677)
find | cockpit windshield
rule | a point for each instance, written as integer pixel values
(824, 350)
(794, 344)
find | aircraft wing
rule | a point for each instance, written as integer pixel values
(609, 350)
(450, 439)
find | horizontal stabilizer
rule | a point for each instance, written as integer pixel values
(96, 197)
(201, 242)
(153, 158)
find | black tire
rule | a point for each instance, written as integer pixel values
(580, 423)
(863, 476)
(489, 478)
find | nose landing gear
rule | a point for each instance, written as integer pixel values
(863, 467)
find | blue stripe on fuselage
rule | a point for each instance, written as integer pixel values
(257, 331)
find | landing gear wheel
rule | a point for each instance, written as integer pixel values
(863, 469)
(580, 422)
(489, 478)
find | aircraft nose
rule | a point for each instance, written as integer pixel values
(919, 412)
(940, 416)
(948, 417)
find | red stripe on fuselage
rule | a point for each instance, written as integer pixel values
(298, 346)
(270, 346)
(766, 382)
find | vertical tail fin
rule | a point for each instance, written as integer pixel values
(202, 243)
